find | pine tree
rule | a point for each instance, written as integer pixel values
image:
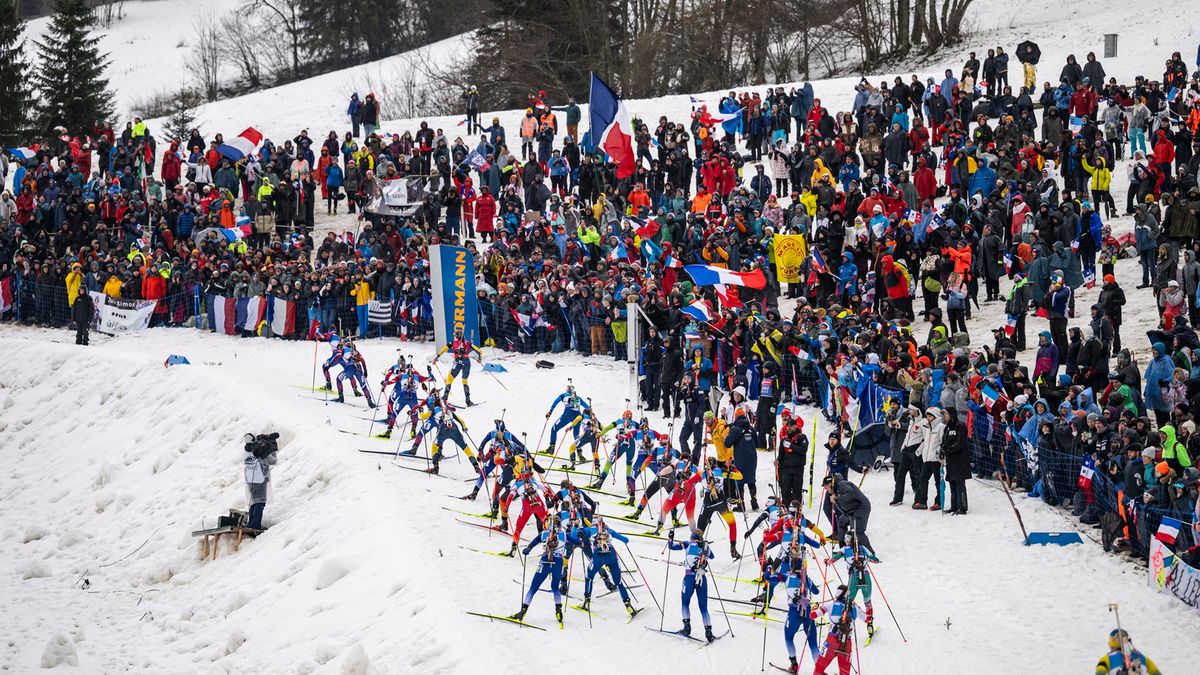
(182, 117)
(14, 123)
(70, 76)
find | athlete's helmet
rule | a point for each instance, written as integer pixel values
(500, 425)
(628, 415)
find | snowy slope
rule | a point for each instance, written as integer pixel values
(148, 49)
(114, 459)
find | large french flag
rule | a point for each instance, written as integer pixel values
(283, 316)
(222, 314)
(610, 126)
(25, 152)
(250, 313)
(242, 145)
(707, 275)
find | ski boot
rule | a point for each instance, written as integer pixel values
(638, 512)
(795, 665)
(870, 628)
(339, 399)
(357, 394)
(733, 552)
(372, 405)
(627, 502)
(520, 616)
(474, 464)
(445, 392)
(467, 393)
(598, 484)
(411, 451)
(491, 515)
(512, 552)
(753, 503)
(596, 466)
(563, 585)
(504, 526)
(434, 469)
(386, 434)
(708, 634)
(587, 603)
(474, 493)
(687, 627)
(629, 608)
(558, 612)
(328, 386)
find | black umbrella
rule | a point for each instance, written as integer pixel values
(1029, 52)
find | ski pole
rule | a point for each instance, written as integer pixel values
(544, 425)
(493, 376)
(314, 370)
(524, 565)
(766, 621)
(886, 604)
(722, 602)
(666, 576)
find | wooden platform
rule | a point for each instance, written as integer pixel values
(212, 538)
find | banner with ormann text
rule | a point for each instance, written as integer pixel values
(455, 305)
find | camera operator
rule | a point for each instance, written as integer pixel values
(260, 454)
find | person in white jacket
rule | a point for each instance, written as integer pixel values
(930, 452)
(734, 400)
(910, 466)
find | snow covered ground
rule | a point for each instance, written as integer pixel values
(112, 460)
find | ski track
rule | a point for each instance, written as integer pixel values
(361, 569)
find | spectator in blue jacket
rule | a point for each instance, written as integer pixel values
(334, 179)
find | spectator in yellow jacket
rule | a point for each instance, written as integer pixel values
(362, 294)
(74, 281)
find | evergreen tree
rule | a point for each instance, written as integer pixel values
(182, 116)
(14, 123)
(351, 31)
(72, 89)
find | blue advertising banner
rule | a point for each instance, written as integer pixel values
(452, 273)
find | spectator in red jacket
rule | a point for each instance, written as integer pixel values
(925, 181)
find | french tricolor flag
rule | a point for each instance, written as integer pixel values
(671, 261)
(242, 145)
(990, 395)
(222, 315)
(250, 313)
(699, 311)
(241, 231)
(1168, 530)
(25, 152)
(818, 262)
(610, 125)
(283, 316)
(707, 275)
(1010, 325)
(708, 119)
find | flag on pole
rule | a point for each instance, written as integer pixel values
(28, 152)
(1089, 277)
(1168, 530)
(670, 261)
(707, 118)
(1008, 262)
(618, 252)
(707, 275)
(699, 311)
(233, 234)
(818, 261)
(1076, 124)
(242, 145)
(990, 395)
(1010, 325)
(610, 126)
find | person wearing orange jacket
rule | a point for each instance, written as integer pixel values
(638, 199)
